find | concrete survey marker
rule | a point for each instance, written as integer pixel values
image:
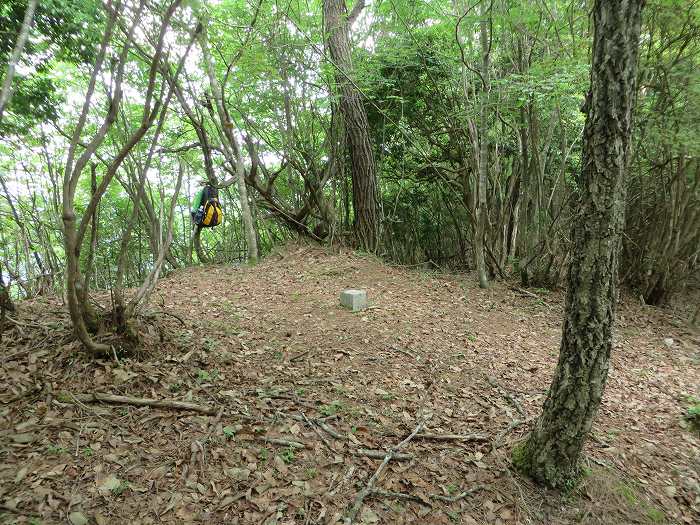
(355, 300)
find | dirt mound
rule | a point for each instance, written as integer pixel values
(299, 400)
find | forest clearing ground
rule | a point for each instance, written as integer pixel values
(273, 352)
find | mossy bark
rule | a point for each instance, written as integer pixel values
(551, 453)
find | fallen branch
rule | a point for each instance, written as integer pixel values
(299, 356)
(454, 437)
(439, 497)
(492, 381)
(530, 294)
(323, 426)
(380, 454)
(399, 495)
(29, 392)
(283, 442)
(524, 292)
(20, 512)
(401, 351)
(318, 432)
(144, 402)
(153, 313)
(512, 426)
(452, 499)
(357, 505)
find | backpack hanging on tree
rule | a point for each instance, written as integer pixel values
(209, 212)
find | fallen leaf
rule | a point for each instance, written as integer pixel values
(77, 518)
(21, 474)
(108, 484)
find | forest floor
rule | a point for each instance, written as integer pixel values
(297, 387)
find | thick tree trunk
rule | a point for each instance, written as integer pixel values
(365, 196)
(551, 452)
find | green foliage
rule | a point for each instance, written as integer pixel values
(63, 31)
(55, 450)
(331, 409)
(288, 455)
(692, 413)
(120, 488)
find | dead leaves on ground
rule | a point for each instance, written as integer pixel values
(278, 346)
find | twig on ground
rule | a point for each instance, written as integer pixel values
(299, 356)
(492, 381)
(328, 429)
(345, 479)
(171, 314)
(323, 426)
(29, 392)
(439, 497)
(142, 401)
(21, 512)
(402, 351)
(498, 442)
(530, 294)
(452, 499)
(284, 442)
(454, 437)
(524, 292)
(399, 495)
(357, 505)
(318, 432)
(380, 454)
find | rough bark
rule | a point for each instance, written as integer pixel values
(551, 453)
(365, 197)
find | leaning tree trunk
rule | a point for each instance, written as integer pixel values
(6, 90)
(365, 197)
(551, 453)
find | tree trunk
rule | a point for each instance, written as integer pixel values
(6, 91)
(481, 212)
(551, 453)
(232, 150)
(365, 197)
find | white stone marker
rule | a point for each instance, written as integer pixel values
(355, 300)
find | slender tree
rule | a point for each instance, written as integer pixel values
(481, 211)
(5, 95)
(552, 451)
(6, 90)
(231, 148)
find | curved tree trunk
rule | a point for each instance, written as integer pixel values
(365, 196)
(551, 452)
(197, 242)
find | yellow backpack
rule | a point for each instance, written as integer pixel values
(213, 215)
